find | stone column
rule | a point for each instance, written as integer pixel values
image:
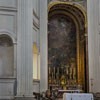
(24, 50)
(43, 46)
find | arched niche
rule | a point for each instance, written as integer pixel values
(6, 56)
(66, 45)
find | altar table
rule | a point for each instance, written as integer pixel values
(77, 96)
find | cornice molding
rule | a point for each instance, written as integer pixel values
(3, 8)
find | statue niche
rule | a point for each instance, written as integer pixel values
(6, 57)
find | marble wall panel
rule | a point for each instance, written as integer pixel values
(36, 86)
(6, 89)
(8, 3)
(8, 21)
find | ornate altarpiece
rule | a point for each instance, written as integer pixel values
(66, 46)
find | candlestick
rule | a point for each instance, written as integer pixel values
(54, 73)
(49, 70)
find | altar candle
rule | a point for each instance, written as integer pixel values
(67, 71)
(58, 70)
(49, 70)
(70, 73)
(74, 72)
(70, 70)
(54, 72)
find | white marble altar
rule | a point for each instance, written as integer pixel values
(77, 96)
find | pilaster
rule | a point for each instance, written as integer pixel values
(43, 46)
(24, 50)
(93, 44)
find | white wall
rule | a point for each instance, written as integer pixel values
(8, 3)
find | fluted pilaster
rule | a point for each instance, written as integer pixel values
(24, 48)
(93, 44)
(43, 46)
